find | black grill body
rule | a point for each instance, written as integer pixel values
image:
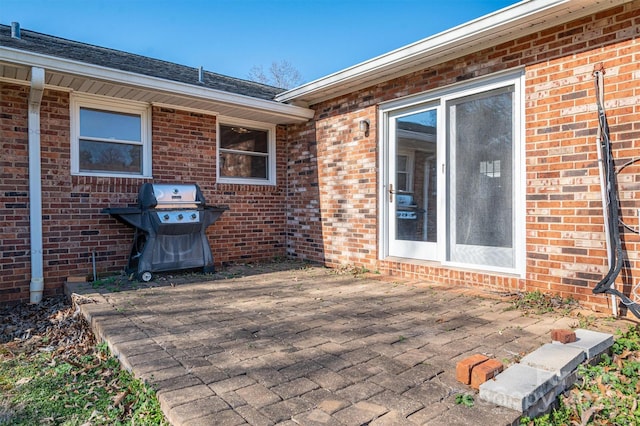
(170, 223)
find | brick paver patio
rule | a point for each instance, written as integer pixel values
(309, 346)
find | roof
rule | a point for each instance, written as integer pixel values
(72, 65)
(518, 20)
(82, 52)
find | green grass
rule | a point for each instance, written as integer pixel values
(42, 388)
(465, 399)
(606, 393)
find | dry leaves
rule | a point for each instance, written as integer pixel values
(53, 326)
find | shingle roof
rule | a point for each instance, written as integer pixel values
(35, 42)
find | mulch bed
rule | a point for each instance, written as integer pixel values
(54, 325)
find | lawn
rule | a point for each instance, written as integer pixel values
(52, 371)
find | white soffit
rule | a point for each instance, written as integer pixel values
(518, 20)
(71, 75)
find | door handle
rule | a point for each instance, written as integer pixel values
(391, 192)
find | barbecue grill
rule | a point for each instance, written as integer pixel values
(170, 223)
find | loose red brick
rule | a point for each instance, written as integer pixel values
(485, 371)
(563, 335)
(464, 367)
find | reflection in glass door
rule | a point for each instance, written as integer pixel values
(413, 185)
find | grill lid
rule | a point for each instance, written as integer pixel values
(170, 196)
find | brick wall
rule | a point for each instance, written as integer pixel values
(332, 187)
(254, 226)
(74, 229)
(564, 227)
(304, 227)
(324, 207)
(14, 193)
(566, 250)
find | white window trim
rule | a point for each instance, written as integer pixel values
(110, 105)
(271, 157)
(440, 97)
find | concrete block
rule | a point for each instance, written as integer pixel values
(464, 367)
(558, 359)
(518, 387)
(593, 343)
(547, 402)
(563, 336)
(485, 371)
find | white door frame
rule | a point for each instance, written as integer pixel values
(404, 248)
(440, 97)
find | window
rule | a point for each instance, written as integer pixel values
(109, 138)
(246, 153)
(490, 168)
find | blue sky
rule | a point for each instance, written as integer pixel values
(231, 36)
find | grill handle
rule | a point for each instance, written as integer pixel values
(147, 198)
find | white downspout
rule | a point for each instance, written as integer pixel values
(36, 286)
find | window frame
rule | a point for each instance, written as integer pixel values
(109, 105)
(271, 151)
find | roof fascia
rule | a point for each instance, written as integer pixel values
(377, 69)
(276, 108)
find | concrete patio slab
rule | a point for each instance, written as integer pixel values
(294, 344)
(558, 359)
(592, 342)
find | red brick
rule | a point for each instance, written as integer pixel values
(184, 150)
(563, 336)
(485, 371)
(464, 367)
(314, 212)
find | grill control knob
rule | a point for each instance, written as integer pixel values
(193, 216)
(180, 217)
(166, 217)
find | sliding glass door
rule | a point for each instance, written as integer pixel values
(452, 177)
(412, 189)
(480, 180)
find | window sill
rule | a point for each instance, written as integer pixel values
(111, 175)
(240, 181)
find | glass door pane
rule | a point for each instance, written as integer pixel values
(481, 171)
(413, 209)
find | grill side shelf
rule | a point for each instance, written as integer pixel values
(214, 213)
(130, 216)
